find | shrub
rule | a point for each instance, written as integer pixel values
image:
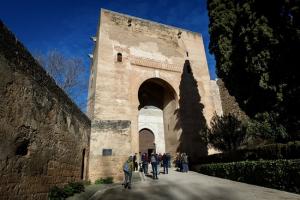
(57, 193)
(266, 152)
(227, 133)
(88, 182)
(77, 187)
(107, 180)
(68, 190)
(278, 174)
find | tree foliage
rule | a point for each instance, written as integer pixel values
(267, 128)
(256, 44)
(227, 133)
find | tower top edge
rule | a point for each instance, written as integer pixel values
(150, 21)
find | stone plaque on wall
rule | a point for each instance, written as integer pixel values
(106, 152)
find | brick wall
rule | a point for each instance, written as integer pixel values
(43, 134)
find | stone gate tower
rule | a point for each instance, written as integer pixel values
(150, 90)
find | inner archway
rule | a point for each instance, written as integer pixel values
(147, 144)
(157, 110)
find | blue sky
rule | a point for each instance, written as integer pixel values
(66, 25)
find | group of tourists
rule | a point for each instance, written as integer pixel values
(181, 162)
(141, 162)
(156, 161)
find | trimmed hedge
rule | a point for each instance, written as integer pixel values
(278, 174)
(266, 152)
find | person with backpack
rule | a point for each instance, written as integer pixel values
(145, 163)
(128, 168)
(153, 160)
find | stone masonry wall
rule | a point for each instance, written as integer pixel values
(229, 104)
(44, 137)
(109, 134)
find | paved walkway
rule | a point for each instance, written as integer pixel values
(192, 185)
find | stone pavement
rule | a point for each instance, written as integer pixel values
(191, 185)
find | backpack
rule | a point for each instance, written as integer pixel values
(185, 159)
(153, 159)
(126, 167)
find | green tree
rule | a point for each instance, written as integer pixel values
(256, 45)
(227, 133)
(265, 127)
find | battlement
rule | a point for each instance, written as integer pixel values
(120, 18)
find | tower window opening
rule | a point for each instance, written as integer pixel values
(187, 54)
(119, 57)
(129, 22)
(179, 34)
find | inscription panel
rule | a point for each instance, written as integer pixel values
(146, 62)
(117, 126)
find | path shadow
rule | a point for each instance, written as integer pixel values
(190, 118)
(168, 190)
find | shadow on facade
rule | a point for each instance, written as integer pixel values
(190, 118)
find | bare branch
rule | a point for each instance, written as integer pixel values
(69, 74)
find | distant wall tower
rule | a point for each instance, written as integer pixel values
(147, 78)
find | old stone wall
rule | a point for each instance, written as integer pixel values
(229, 104)
(44, 137)
(114, 136)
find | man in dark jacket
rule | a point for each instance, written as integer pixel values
(165, 160)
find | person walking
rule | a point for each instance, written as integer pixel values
(165, 162)
(177, 161)
(128, 168)
(169, 159)
(185, 163)
(135, 164)
(139, 159)
(181, 162)
(153, 160)
(159, 159)
(145, 163)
